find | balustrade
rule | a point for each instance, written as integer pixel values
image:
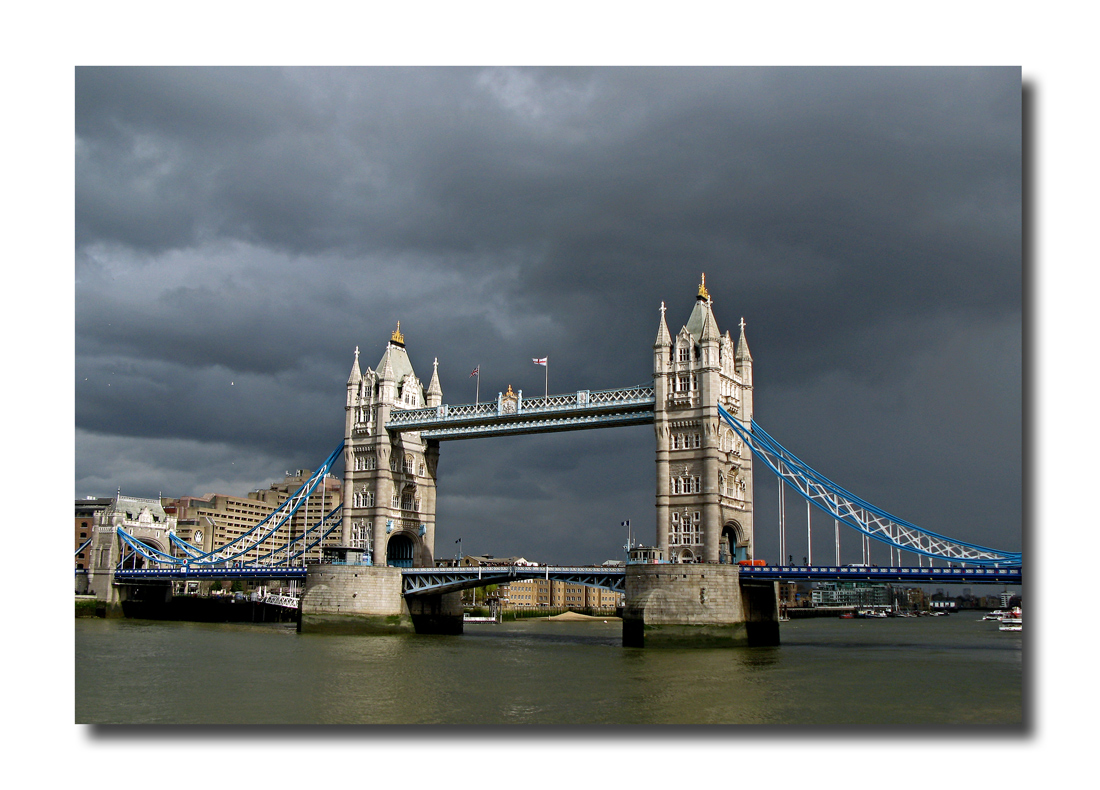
(580, 401)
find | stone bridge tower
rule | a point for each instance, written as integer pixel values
(389, 478)
(704, 472)
(148, 522)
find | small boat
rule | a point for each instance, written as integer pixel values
(997, 614)
(1013, 620)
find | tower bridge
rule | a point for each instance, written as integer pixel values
(697, 586)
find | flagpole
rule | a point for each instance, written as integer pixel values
(546, 383)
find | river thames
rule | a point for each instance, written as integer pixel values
(924, 671)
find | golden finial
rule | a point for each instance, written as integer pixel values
(397, 337)
(703, 288)
(510, 394)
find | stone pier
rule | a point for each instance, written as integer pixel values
(365, 599)
(697, 605)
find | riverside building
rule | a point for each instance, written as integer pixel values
(549, 593)
(216, 519)
(852, 594)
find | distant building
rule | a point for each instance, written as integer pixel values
(851, 594)
(551, 593)
(216, 519)
(915, 598)
(86, 511)
(540, 593)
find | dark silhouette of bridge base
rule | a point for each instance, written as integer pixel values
(699, 604)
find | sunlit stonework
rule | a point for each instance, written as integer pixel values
(704, 473)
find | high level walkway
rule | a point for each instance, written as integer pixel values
(514, 414)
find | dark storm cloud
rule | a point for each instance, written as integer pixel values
(240, 231)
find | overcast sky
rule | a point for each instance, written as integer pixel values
(240, 231)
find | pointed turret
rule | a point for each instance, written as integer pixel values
(662, 346)
(698, 318)
(709, 332)
(663, 339)
(356, 375)
(743, 354)
(387, 368)
(435, 392)
(354, 383)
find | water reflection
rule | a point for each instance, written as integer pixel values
(539, 672)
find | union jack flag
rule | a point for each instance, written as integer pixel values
(476, 371)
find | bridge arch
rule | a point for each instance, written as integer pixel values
(401, 550)
(732, 544)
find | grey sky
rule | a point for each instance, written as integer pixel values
(240, 231)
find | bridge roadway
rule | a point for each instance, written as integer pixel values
(951, 575)
(508, 416)
(425, 581)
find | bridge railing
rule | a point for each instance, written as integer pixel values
(411, 419)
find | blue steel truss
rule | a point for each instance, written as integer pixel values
(858, 514)
(433, 581)
(929, 575)
(575, 411)
(252, 539)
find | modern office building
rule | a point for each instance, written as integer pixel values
(217, 519)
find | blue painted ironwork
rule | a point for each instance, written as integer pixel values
(180, 573)
(257, 535)
(424, 581)
(901, 574)
(574, 411)
(857, 513)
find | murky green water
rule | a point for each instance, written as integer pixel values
(943, 670)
